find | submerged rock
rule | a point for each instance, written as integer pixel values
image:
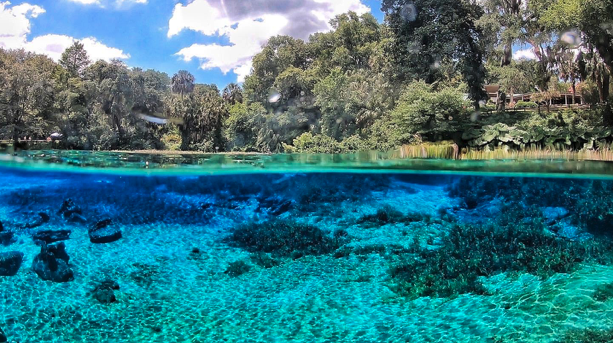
(104, 232)
(69, 208)
(51, 263)
(3, 337)
(7, 238)
(553, 214)
(76, 218)
(10, 262)
(42, 219)
(104, 292)
(51, 236)
(274, 206)
(1, 227)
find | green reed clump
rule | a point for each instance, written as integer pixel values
(284, 238)
(603, 292)
(589, 336)
(517, 242)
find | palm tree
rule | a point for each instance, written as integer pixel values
(233, 93)
(182, 82)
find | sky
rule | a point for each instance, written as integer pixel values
(213, 39)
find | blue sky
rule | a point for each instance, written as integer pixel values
(213, 39)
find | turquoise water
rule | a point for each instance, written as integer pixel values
(303, 248)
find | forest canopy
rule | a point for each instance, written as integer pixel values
(364, 85)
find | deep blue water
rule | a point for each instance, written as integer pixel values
(303, 257)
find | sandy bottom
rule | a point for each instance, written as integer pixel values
(170, 294)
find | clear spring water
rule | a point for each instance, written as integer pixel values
(303, 249)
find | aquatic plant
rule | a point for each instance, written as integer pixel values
(389, 215)
(314, 191)
(264, 260)
(589, 336)
(283, 238)
(603, 292)
(237, 268)
(517, 242)
(385, 215)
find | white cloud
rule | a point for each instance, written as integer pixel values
(15, 27)
(86, 2)
(54, 45)
(249, 24)
(526, 54)
(15, 23)
(103, 2)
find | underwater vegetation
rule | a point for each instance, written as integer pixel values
(604, 292)
(283, 238)
(389, 215)
(519, 241)
(214, 253)
(589, 336)
(237, 268)
(589, 203)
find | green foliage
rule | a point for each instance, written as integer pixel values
(75, 60)
(201, 113)
(575, 129)
(27, 87)
(424, 111)
(603, 292)
(361, 86)
(283, 239)
(525, 104)
(322, 144)
(447, 30)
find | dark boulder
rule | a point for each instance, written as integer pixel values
(76, 218)
(51, 263)
(10, 262)
(104, 291)
(69, 208)
(7, 238)
(104, 232)
(3, 337)
(274, 206)
(51, 236)
(40, 220)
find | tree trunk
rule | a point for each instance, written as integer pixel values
(184, 138)
(600, 87)
(606, 84)
(574, 91)
(608, 115)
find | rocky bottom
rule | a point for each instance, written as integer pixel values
(163, 280)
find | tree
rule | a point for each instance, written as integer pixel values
(279, 54)
(27, 93)
(593, 19)
(431, 114)
(566, 63)
(75, 60)
(426, 32)
(201, 111)
(232, 94)
(182, 82)
(511, 80)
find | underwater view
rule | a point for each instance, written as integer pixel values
(388, 255)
